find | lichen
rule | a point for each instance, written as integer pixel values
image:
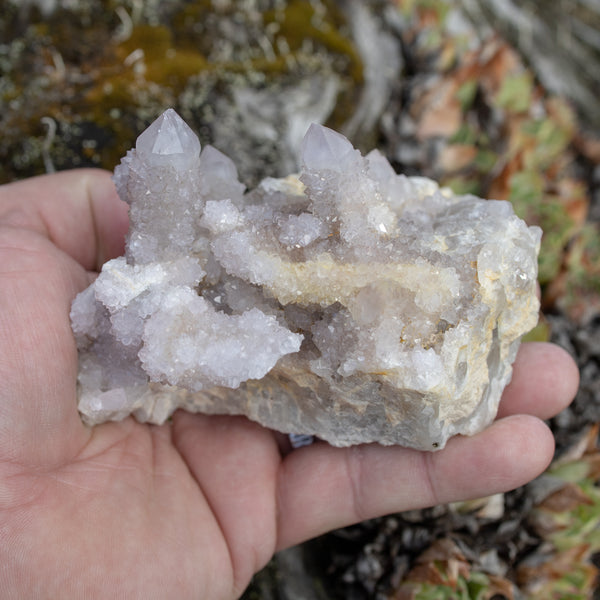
(106, 68)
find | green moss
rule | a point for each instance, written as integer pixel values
(174, 70)
(298, 22)
(192, 25)
(466, 94)
(533, 204)
(186, 51)
(526, 190)
(154, 40)
(540, 333)
(551, 140)
(516, 93)
(572, 531)
(583, 265)
(558, 229)
(485, 160)
(440, 8)
(464, 185)
(467, 133)
(474, 587)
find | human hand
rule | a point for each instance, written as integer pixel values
(192, 508)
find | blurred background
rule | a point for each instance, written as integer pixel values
(493, 97)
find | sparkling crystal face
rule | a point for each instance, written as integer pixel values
(169, 137)
(345, 302)
(323, 148)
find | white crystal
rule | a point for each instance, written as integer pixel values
(187, 342)
(323, 148)
(348, 302)
(221, 216)
(169, 135)
(300, 230)
(161, 180)
(219, 175)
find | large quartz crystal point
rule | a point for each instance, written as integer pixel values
(160, 180)
(341, 193)
(169, 138)
(346, 302)
(323, 148)
(219, 176)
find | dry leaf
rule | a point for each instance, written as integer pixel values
(457, 156)
(567, 498)
(536, 572)
(441, 113)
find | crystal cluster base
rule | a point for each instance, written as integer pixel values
(346, 302)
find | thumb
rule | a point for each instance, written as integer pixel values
(52, 229)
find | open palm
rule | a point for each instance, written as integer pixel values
(193, 508)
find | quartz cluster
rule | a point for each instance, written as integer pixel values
(346, 302)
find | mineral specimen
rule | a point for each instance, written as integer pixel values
(348, 302)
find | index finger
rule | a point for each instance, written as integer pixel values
(545, 380)
(79, 211)
(52, 229)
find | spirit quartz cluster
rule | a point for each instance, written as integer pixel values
(346, 302)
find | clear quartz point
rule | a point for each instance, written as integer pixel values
(324, 148)
(215, 162)
(169, 137)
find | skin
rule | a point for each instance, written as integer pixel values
(193, 508)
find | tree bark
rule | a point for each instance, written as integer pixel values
(559, 39)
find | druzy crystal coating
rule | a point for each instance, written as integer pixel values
(346, 302)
